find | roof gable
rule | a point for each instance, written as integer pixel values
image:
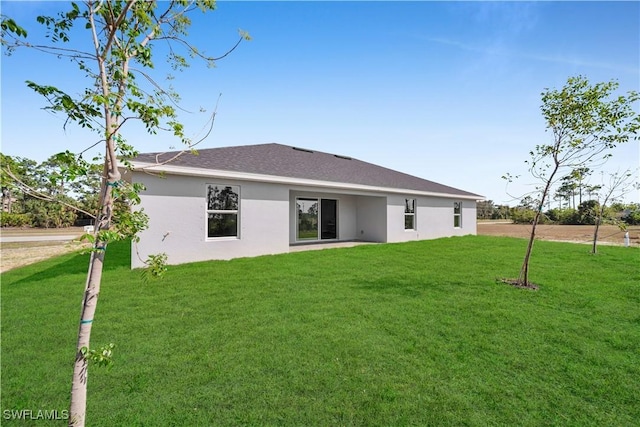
(293, 162)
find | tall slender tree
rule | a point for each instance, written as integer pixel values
(585, 122)
(113, 46)
(579, 175)
(568, 188)
(612, 189)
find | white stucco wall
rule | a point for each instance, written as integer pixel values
(434, 218)
(177, 220)
(371, 219)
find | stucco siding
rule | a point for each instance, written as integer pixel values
(433, 218)
(395, 221)
(469, 218)
(267, 219)
(177, 220)
(372, 219)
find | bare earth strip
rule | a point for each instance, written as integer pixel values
(13, 255)
(608, 234)
(39, 247)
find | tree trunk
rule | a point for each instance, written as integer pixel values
(80, 369)
(9, 202)
(524, 272)
(523, 279)
(78, 407)
(594, 248)
(580, 194)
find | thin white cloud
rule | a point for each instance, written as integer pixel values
(557, 59)
(508, 17)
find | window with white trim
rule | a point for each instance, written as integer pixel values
(223, 207)
(409, 214)
(457, 214)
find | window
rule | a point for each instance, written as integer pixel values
(457, 214)
(409, 214)
(223, 202)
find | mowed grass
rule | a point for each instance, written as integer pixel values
(417, 333)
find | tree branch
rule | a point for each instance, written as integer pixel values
(38, 195)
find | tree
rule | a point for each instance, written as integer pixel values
(618, 185)
(592, 191)
(116, 59)
(579, 175)
(572, 182)
(484, 208)
(631, 214)
(585, 121)
(567, 190)
(43, 196)
(22, 169)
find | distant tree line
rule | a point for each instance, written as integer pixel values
(35, 194)
(585, 214)
(576, 203)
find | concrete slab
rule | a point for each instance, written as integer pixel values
(322, 245)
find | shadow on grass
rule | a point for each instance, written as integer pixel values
(118, 256)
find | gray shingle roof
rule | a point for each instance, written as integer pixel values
(286, 161)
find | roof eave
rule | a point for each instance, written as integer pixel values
(152, 168)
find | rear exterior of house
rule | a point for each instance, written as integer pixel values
(263, 199)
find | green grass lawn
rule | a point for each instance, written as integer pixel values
(405, 334)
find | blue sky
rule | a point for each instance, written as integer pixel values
(448, 91)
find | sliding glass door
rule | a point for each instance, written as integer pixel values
(328, 219)
(307, 219)
(316, 219)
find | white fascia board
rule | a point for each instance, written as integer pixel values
(152, 169)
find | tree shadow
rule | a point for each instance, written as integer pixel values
(118, 256)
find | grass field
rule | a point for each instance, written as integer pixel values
(416, 333)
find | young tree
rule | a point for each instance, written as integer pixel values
(116, 57)
(585, 121)
(618, 185)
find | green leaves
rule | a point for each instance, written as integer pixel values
(156, 267)
(587, 120)
(84, 113)
(101, 357)
(8, 25)
(129, 224)
(244, 35)
(58, 28)
(586, 116)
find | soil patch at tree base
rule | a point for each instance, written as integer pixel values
(518, 284)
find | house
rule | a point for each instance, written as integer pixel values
(263, 199)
